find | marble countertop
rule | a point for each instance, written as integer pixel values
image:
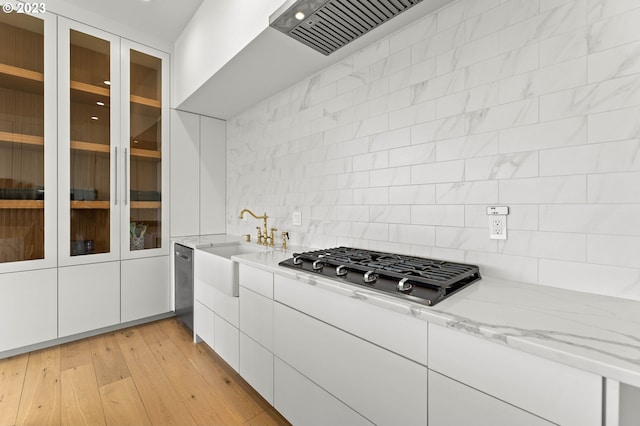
(594, 333)
(203, 241)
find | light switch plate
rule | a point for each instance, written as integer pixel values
(296, 218)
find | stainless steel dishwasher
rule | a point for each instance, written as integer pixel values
(183, 258)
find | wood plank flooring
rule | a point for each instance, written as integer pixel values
(151, 374)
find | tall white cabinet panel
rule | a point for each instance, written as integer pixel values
(146, 288)
(226, 342)
(89, 156)
(198, 173)
(256, 366)
(88, 297)
(28, 134)
(28, 308)
(304, 403)
(185, 173)
(453, 404)
(362, 375)
(213, 171)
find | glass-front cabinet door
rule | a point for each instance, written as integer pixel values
(27, 141)
(145, 135)
(89, 108)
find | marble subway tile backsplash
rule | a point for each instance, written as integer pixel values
(534, 104)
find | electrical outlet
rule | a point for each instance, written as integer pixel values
(296, 218)
(498, 227)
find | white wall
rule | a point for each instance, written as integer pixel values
(216, 33)
(534, 104)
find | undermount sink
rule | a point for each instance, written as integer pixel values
(213, 266)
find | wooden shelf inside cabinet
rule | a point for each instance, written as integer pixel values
(90, 205)
(146, 153)
(153, 103)
(90, 146)
(20, 138)
(146, 204)
(21, 79)
(21, 204)
(88, 93)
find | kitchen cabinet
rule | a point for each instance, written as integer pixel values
(113, 98)
(447, 396)
(145, 288)
(28, 308)
(302, 402)
(28, 169)
(216, 315)
(256, 329)
(198, 174)
(88, 304)
(531, 383)
(362, 375)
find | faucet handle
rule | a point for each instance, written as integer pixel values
(274, 229)
(247, 237)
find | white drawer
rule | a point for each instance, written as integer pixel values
(203, 293)
(396, 332)
(385, 388)
(257, 280)
(227, 307)
(203, 323)
(303, 402)
(256, 366)
(558, 393)
(256, 317)
(227, 342)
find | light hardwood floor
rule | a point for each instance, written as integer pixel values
(151, 374)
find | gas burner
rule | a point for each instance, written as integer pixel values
(421, 280)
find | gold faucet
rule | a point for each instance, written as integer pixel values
(263, 236)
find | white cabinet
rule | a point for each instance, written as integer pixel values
(88, 297)
(256, 366)
(146, 288)
(203, 321)
(198, 174)
(226, 342)
(256, 317)
(28, 308)
(364, 376)
(558, 393)
(453, 404)
(302, 402)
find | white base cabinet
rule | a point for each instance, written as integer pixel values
(203, 323)
(558, 393)
(146, 288)
(88, 297)
(28, 308)
(256, 366)
(226, 342)
(302, 402)
(453, 404)
(364, 376)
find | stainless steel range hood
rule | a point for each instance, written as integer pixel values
(327, 25)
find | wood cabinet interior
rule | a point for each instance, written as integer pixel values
(21, 138)
(146, 142)
(90, 154)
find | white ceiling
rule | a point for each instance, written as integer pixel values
(163, 19)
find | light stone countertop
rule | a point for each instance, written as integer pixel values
(594, 333)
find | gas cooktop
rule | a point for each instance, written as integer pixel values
(420, 280)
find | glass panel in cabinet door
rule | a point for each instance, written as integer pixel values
(146, 154)
(21, 138)
(90, 144)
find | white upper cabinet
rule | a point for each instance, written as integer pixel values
(114, 129)
(28, 180)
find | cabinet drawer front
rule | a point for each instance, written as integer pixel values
(203, 323)
(360, 374)
(256, 317)
(257, 280)
(399, 333)
(561, 394)
(447, 396)
(203, 293)
(226, 306)
(227, 342)
(303, 402)
(256, 366)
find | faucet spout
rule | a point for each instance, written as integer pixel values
(252, 214)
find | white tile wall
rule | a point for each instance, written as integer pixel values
(533, 104)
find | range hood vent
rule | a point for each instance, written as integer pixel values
(330, 24)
